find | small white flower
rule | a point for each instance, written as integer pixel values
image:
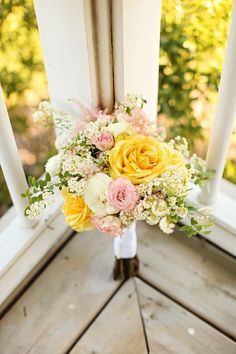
(48, 198)
(35, 210)
(77, 187)
(44, 113)
(71, 164)
(206, 211)
(152, 220)
(127, 218)
(166, 227)
(91, 130)
(145, 189)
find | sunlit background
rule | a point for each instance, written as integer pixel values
(193, 39)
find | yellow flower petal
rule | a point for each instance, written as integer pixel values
(77, 213)
(142, 158)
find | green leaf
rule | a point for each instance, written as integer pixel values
(42, 184)
(128, 110)
(188, 166)
(47, 177)
(191, 208)
(193, 221)
(30, 181)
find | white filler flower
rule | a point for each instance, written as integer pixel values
(96, 195)
(53, 165)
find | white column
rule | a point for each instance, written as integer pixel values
(66, 36)
(101, 13)
(136, 40)
(225, 114)
(11, 164)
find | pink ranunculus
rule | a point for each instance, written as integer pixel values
(104, 141)
(110, 225)
(122, 194)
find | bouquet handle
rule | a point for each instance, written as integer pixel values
(125, 250)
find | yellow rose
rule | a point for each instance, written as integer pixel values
(77, 213)
(142, 158)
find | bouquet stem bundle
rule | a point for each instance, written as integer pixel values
(125, 250)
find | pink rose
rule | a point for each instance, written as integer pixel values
(110, 225)
(122, 194)
(104, 141)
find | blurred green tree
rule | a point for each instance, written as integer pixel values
(21, 65)
(193, 38)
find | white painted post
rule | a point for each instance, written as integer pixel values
(66, 35)
(11, 164)
(136, 40)
(103, 43)
(225, 113)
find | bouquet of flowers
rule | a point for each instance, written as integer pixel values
(114, 169)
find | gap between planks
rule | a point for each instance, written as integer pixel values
(169, 328)
(193, 273)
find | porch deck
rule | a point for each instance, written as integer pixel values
(183, 301)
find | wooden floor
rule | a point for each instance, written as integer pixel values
(183, 301)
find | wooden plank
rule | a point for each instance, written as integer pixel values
(193, 272)
(59, 305)
(172, 329)
(118, 329)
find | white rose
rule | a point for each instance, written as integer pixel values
(53, 165)
(119, 128)
(96, 195)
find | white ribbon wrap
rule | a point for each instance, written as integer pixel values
(125, 246)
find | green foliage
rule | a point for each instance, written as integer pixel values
(199, 222)
(190, 59)
(20, 48)
(200, 175)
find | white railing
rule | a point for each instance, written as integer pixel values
(11, 164)
(95, 52)
(225, 114)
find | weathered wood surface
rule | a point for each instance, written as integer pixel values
(59, 305)
(193, 272)
(56, 310)
(172, 329)
(118, 329)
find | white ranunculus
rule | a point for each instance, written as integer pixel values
(53, 165)
(96, 195)
(119, 128)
